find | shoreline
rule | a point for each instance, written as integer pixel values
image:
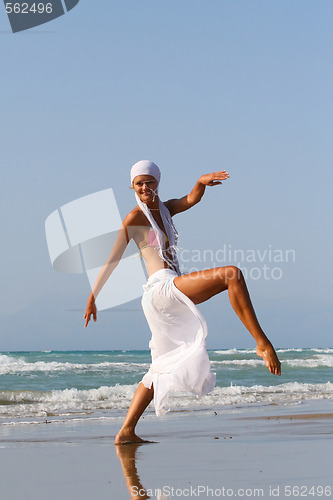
(59, 386)
(283, 411)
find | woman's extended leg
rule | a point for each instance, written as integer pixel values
(202, 285)
(140, 401)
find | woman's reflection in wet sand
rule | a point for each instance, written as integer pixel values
(126, 454)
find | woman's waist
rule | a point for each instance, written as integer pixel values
(154, 262)
(162, 274)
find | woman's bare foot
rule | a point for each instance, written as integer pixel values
(268, 354)
(128, 436)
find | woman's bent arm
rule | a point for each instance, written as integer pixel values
(176, 206)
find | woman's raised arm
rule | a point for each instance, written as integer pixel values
(175, 206)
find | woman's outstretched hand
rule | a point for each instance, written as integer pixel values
(215, 178)
(91, 310)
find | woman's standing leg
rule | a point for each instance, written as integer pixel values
(202, 285)
(140, 401)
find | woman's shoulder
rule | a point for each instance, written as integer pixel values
(135, 218)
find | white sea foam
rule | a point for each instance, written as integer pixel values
(36, 403)
(292, 392)
(238, 362)
(234, 351)
(292, 349)
(324, 351)
(12, 365)
(69, 402)
(280, 351)
(316, 361)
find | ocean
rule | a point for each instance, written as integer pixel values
(57, 385)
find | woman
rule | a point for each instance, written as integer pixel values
(179, 356)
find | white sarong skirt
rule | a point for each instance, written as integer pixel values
(178, 347)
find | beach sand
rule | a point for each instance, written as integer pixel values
(265, 452)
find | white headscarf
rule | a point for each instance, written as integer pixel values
(145, 167)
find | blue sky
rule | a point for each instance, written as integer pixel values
(196, 87)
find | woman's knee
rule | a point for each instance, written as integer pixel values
(233, 273)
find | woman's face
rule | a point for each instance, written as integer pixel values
(144, 186)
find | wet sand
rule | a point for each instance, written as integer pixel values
(272, 451)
